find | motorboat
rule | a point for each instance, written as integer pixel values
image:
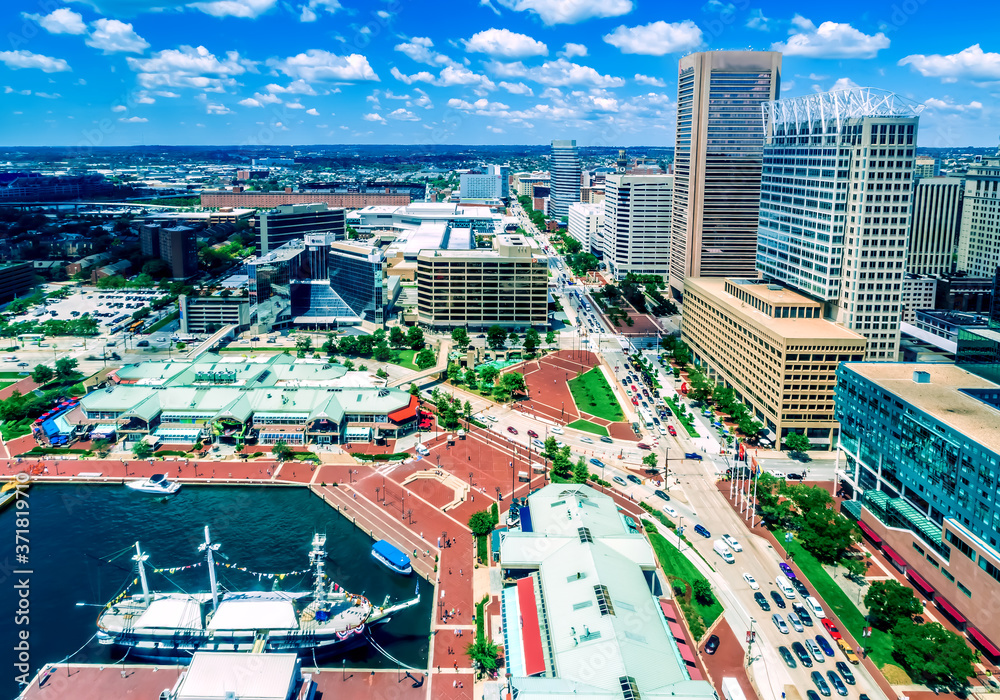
(157, 483)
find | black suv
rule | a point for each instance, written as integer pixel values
(762, 601)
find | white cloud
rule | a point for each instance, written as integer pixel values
(448, 77)
(212, 108)
(516, 88)
(295, 105)
(308, 11)
(657, 38)
(382, 14)
(317, 64)
(505, 43)
(569, 11)
(649, 80)
(948, 105)
(248, 9)
(189, 67)
(112, 36)
(296, 87)
(61, 21)
(759, 21)
(419, 48)
(165, 93)
(48, 95)
(494, 129)
(119, 108)
(843, 84)
(133, 120)
(267, 98)
(312, 112)
(481, 105)
(556, 73)
(723, 8)
(374, 117)
(830, 40)
(7, 89)
(404, 115)
(968, 64)
(423, 76)
(422, 100)
(570, 50)
(250, 102)
(16, 60)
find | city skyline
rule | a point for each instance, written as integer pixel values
(259, 72)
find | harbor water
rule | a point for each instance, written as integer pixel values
(79, 538)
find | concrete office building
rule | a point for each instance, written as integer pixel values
(927, 167)
(507, 285)
(492, 185)
(584, 617)
(773, 348)
(979, 238)
(149, 240)
(292, 222)
(179, 250)
(564, 165)
(717, 162)
(351, 197)
(524, 183)
(978, 349)
(209, 314)
(637, 219)
(16, 279)
(919, 293)
(835, 203)
(923, 450)
(586, 223)
(937, 218)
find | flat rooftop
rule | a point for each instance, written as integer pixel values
(942, 397)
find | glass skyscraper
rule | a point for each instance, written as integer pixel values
(564, 172)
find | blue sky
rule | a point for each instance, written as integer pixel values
(124, 72)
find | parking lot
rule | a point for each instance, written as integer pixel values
(110, 308)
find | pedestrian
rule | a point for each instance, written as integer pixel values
(459, 572)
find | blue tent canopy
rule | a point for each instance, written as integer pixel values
(526, 525)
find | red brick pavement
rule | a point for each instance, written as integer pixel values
(22, 385)
(727, 661)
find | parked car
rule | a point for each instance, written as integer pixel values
(693, 455)
(779, 622)
(733, 543)
(751, 581)
(824, 645)
(837, 684)
(800, 587)
(831, 628)
(702, 530)
(778, 600)
(812, 695)
(848, 651)
(804, 657)
(762, 601)
(712, 645)
(803, 614)
(794, 621)
(821, 684)
(846, 672)
(787, 571)
(672, 430)
(787, 657)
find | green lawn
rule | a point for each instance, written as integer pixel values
(879, 645)
(6, 382)
(676, 566)
(14, 429)
(588, 427)
(687, 422)
(13, 375)
(404, 358)
(593, 395)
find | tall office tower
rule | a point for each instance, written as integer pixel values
(937, 216)
(835, 203)
(149, 240)
(717, 162)
(636, 231)
(564, 166)
(179, 249)
(979, 239)
(503, 171)
(927, 167)
(290, 222)
(586, 223)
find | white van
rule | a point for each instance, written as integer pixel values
(814, 607)
(722, 549)
(422, 449)
(785, 586)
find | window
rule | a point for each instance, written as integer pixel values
(960, 545)
(604, 600)
(964, 590)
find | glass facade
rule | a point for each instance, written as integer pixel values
(565, 172)
(270, 283)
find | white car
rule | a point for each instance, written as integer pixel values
(587, 440)
(751, 581)
(733, 543)
(538, 443)
(492, 418)
(795, 622)
(777, 475)
(670, 511)
(779, 622)
(555, 429)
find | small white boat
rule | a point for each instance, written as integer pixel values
(157, 484)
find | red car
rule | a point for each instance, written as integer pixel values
(672, 430)
(635, 401)
(831, 628)
(512, 430)
(532, 433)
(634, 389)
(643, 446)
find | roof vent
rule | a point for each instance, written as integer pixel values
(921, 377)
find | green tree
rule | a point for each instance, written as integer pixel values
(470, 378)
(488, 375)
(425, 359)
(510, 383)
(378, 335)
(455, 372)
(668, 342)
(797, 442)
(888, 602)
(484, 654)
(415, 337)
(330, 345)
(303, 344)
(702, 590)
(682, 353)
(550, 338)
(699, 387)
(100, 447)
(397, 336)
(580, 472)
(855, 569)
(932, 654)
(551, 448)
(349, 364)
(414, 390)
(142, 450)
(481, 523)
(66, 369)
(650, 462)
(42, 374)
(725, 398)
(381, 373)
(750, 426)
(382, 352)
(562, 462)
(827, 534)
(514, 338)
(467, 409)
(281, 451)
(460, 337)
(496, 337)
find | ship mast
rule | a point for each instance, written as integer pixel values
(316, 558)
(139, 558)
(207, 547)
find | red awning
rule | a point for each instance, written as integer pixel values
(694, 673)
(687, 654)
(920, 583)
(871, 533)
(891, 553)
(669, 611)
(950, 609)
(403, 414)
(676, 630)
(531, 634)
(980, 638)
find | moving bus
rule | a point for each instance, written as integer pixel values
(646, 416)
